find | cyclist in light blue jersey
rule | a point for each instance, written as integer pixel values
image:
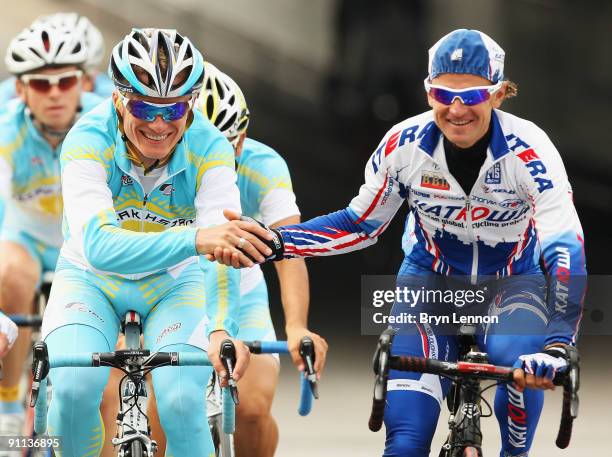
(144, 182)
(93, 80)
(48, 64)
(266, 194)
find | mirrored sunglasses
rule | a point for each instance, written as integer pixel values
(147, 111)
(469, 96)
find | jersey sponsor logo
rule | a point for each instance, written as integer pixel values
(536, 169)
(478, 213)
(563, 275)
(36, 161)
(492, 190)
(387, 193)
(511, 203)
(517, 418)
(397, 139)
(166, 189)
(126, 180)
(493, 175)
(134, 214)
(433, 180)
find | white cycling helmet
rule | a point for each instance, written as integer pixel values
(223, 103)
(80, 24)
(45, 45)
(168, 64)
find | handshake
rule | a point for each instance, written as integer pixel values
(241, 242)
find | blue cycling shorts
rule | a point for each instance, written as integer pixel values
(46, 256)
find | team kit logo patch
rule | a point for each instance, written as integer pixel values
(493, 175)
(434, 180)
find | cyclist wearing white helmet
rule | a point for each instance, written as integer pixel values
(48, 64)
(93, 80)
(145, 180)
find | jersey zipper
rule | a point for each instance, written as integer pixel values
(144, 205)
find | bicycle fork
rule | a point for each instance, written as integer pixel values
(132, 420)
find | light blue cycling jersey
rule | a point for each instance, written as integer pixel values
(103, 87)
(266, 194)
(30, 194)
(112, 227)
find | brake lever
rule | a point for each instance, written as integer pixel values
(307, 353)
(40, 368)
(380, 363)
(573, 379)
(227, 354)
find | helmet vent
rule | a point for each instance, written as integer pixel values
(228, 123)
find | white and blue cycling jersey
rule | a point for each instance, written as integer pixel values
(30, 193)
(519, 211)
(116, 228)
(103, 87)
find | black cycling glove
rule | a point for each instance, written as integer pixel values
(276, 243)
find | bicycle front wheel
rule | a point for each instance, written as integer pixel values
(136, 449)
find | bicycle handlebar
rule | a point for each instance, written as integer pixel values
(42, 363)
(308, 382)
(384, 361)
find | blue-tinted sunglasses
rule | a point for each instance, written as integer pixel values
(147, 111)
(470, 96)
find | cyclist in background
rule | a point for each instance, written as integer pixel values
(93, 80)
(488, 195)
(47, 62)
(144, 182)
(265, 193)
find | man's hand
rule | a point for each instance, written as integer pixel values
(8, 334)
(294, 336)
(242, 356)
(237, 243)
(537, 370)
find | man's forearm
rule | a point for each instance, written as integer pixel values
(295, 292)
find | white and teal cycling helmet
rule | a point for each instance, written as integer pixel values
(80, 24)
(45, 45)
(167, 63)
(223, 103)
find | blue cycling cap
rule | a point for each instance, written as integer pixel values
(467, 52)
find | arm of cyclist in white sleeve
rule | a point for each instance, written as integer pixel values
(6, 174)
(91, 218)
(359, 225)
(218, 191)
(560, 235)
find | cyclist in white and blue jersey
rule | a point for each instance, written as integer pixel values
(488, 197)
(47, 62)
(93, 80)
(266, 194)
(144, 183)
